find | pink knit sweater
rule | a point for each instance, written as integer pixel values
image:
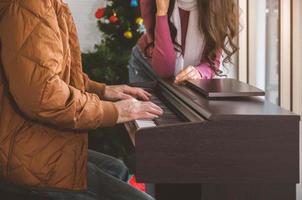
(163, 55)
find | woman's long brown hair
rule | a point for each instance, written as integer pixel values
(219, 23)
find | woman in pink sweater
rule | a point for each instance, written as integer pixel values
(186, 38)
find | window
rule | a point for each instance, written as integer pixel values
(264, 47)
(270, 49)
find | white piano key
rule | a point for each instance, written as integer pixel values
(145, 124)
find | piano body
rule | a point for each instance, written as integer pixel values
(216, 145)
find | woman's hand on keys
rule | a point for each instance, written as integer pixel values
(189, 73)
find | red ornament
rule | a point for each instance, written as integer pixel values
(100, 13)
(113, 19)
(139, 186)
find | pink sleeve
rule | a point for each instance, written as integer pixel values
(205, 69)
(146, 7)
(164, 55)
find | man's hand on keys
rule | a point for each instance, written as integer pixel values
(132, 109)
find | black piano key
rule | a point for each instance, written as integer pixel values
(169, 117)
(161, 121)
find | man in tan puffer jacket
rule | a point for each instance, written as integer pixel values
(47, 104)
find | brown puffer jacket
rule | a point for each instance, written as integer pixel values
(45, 104)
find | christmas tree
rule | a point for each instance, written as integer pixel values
(121, 26)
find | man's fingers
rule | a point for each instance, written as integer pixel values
(152, 105)
(143, 96)
(147, 93)
(146, 115)
(154, 111)
(137, 92)
(132, 109)
(123, 96)
(156, 107)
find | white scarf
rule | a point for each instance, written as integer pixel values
(194, 39)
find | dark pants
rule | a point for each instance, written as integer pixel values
(106, 181)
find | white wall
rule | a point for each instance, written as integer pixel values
(83, 12)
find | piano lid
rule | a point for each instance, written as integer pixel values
(222, 88)
(232, 108)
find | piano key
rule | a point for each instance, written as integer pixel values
(168, 117)
(145, 124)
(168, 112)
(164, 121)
(156, 101)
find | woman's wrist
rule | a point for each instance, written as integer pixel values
(161, 13)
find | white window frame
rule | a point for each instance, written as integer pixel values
(285, 54)
(243, 42)
(297, 55)
(290, 80)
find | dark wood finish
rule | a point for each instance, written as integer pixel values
(225, 192)
(238, 148)
(217, 88)
(249, 192)
(247, 108)
(219, 152)
(178, 191)
(131, 129)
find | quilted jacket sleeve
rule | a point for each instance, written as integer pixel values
(94, 87)
(32, 56)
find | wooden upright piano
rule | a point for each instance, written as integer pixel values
(216, 140)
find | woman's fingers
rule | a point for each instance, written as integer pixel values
(184, 73)
(193, 74)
